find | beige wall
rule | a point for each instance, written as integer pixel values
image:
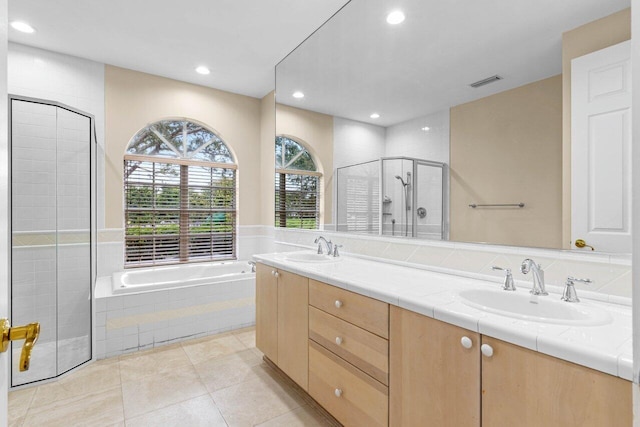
(507, 148)
(267, 159)
(580, 41)
(134, 99)
(315, 131)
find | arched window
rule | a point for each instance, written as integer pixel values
(180, 195)
(297, 186)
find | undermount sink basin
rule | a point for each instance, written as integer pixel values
(311, 257)
(546, 309)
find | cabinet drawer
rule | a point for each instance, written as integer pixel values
(365, 312)
(367, 351)
(350, 395)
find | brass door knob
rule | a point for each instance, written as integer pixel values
(582, 244)
(29, 333)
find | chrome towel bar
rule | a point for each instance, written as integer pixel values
(515, 205)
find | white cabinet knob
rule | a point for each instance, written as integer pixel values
(338, 303)
(338, 392)
(487, 350)
(275, 273)
(466, 342)
(338, 340)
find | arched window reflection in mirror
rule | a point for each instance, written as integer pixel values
(297, 186)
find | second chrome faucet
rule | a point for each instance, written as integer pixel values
(529, 265)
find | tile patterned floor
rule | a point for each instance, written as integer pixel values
(214, 381)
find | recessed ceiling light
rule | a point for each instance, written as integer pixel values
(203, 70)
(298, 94)
(375, 116)
(23, 27)
(395, 17)
(426, 128)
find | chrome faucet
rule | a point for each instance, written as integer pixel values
(253, 266)
(319, 241)
(538, 276)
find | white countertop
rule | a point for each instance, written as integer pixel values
(606, 348)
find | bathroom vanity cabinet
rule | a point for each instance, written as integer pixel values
(434, 379)
(440, 375)
(371, 364)
(282, 320)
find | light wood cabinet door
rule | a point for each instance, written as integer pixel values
(524, 388)
(433, 379)
(293, 326)
(267, 311)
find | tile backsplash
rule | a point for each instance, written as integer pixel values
(610, 273)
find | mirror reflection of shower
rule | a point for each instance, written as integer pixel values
(407, 204)
(369, 199)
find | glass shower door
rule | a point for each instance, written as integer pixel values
(52, 239)
(430, 200)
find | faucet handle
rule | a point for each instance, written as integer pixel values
(508, 278)
(569, 294)
(335, 250)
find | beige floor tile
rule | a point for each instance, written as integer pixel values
(247, 337)
(92, 378)
(304, 416)
(229, 370)
(15, 422)
(211, 347)
(19, 402)
(99, 409)
(197, 412)
(157, 391)
(253, 402)
(136, 366)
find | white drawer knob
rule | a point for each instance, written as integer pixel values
(466, 342)
(338, 392)
(487, 350)
(338, 340)
(275, 273)
(338, 303)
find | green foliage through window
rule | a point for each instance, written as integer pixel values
(297, 193)
(177, 211)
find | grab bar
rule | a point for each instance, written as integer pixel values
(518, 205)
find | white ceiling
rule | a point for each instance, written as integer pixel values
(239, 40)
(357, 64)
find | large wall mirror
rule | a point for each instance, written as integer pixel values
(456, 123)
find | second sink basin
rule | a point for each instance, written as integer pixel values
(311, 257)
(546, 309)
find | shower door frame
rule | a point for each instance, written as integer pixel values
(93, 142)
(444, 226)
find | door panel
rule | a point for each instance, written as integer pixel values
(601, 149)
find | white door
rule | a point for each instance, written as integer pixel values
(4, 208)
(601, 149)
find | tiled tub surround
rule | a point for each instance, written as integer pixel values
(610, 273)
(142, 320)
(606, 348)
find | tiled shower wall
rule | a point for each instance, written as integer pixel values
(611, 274)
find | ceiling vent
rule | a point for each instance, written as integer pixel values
(486, 81)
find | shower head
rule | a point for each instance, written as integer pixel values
(404, 184)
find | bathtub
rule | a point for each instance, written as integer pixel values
(176, 276)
